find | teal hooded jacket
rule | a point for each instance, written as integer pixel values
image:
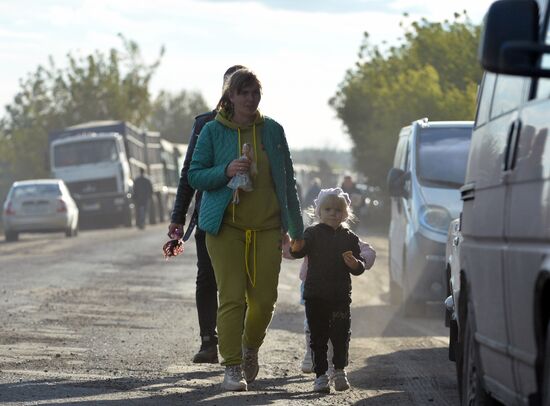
(216, 148)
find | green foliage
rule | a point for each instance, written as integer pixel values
(433, 73)
(113, 86)
(174, 114)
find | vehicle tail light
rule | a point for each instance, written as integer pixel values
(61, 206)
(9, 210)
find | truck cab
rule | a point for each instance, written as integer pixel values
(97, 172)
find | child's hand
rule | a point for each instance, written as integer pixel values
(296, 245)
(285, 247)
(350, 260)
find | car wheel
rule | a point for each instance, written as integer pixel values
(11, 236)
(471, 385)
(545, 388)
(453, 339)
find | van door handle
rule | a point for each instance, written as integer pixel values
(514, 146)
(467, 192)
(511, 146)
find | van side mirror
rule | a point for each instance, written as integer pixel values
(509, 41)
(396, 182)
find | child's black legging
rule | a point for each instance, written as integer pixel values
(328, 320)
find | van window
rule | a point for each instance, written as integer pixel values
(542, 6)
(442, 155)
(400, 149)
(398, 153)
(34, 190)
(85, 152)
(485, 97)
(407, 156)
(543, 89)
(509, 94)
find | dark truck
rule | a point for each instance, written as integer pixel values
(99, 160)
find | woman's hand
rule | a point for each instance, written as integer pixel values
(237, 166)
(175, 231)
(350, 260)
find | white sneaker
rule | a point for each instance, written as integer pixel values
(321, 384)
(340, 380)
(307, 363)
(233, 379)
(250, 364)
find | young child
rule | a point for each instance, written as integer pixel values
(369, 256)
(333, 254)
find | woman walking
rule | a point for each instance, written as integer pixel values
(244, 238)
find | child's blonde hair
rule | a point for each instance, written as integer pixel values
(334, 195)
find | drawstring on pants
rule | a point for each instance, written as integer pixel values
(248, 237)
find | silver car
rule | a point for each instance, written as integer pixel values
(40, 205)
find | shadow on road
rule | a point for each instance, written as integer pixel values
(416, 376)
(151, 391)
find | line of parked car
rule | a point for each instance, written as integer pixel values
(471, 220)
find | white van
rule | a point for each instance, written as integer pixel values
(429, 169)
(503, 285)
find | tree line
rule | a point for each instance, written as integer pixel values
(101, 86)
(432, 73)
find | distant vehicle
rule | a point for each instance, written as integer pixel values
(98, 161)
(503, 306)
(373, 209)
(42, 205)
(429, 168)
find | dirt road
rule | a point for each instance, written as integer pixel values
(103, 319)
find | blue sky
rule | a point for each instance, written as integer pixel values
(300, 49)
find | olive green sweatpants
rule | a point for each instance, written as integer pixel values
(240, 290)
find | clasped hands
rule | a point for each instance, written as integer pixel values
(240, 165)
(349, 259)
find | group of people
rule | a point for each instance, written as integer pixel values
(242, 236)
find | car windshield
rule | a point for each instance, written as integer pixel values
(51, 189)
(442, 156)
(86, 152)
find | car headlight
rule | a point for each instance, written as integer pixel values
(435, 218)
